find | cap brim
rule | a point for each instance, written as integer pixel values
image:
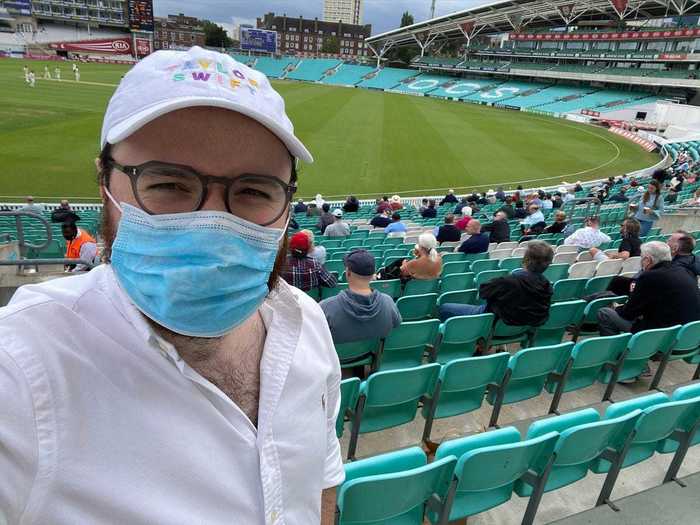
(135, 122)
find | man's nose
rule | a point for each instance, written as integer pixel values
(216, 197)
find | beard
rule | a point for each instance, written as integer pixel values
(202, 347)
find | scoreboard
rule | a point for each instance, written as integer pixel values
(141, 15)
(258, 40)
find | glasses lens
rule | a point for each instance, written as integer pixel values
(257, 199)
(168, 189)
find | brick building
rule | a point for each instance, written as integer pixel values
(177, 32)
(304, 36)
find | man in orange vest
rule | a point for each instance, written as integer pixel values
(79, 244)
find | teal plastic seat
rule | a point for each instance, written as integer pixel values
(597, 284)
(314, 293)
(416, 307)
(395, 487)
(526, 375)
(488, 466)
(686, 347)
(461, 387)
(590, 360)
(503, 334)
(389, 399)
(405, 346)
(589, 323)
(556, 272)
(349, 392)
(568, 290)
(327, 293)
(488, 275)
(454, 267)
(511, 263)
(457, 282)
(483, 265)
(461, 297)
(687, 433)
(358, 353)
(561, 315)
(453, 257)
(349, 244)
(391, 287)
(459, 336)
(420, 286)
(337, 266)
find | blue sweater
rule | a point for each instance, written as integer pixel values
(475, 244)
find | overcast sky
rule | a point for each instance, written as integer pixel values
(382, 14)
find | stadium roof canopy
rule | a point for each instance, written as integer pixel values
(527, 15)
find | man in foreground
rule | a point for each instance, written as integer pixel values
(184, 382)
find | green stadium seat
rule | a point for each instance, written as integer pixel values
(504, 334)
(589, 323)
(416, 307)
(687, 433)
(389, 399)
(390, 260)
(482, 265)
(488, 275)
(527, 373)
(489, 464)
(358, 353)
(391, 287)
(395, 487)
(686, 346)
(421, 286)
(332, 292)
(597, 284)
(459, 336)
(511, 263)
(461, 387)
(314, 293)
(556, 272)
(349, 392)
(460, 297)
(458, 267)
(568, 289)
(453, 257)
(337, 266)
(561, 315)
(456, 282)
(405, 346)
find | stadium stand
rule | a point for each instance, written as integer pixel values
(461, 88)
(312, 70)
(347, 75)
(505, 91)
(388, 78)
(274, 67)
(422, 83)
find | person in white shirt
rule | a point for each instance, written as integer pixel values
(32, 78)
(32, 207)
(57, 72)
(76, 72)
(315, 251)
(182, 382)
(47, 74)
(589, 236)
(25, 70)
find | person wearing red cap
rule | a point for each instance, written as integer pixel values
(302, 271)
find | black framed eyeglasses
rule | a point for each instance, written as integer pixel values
(161, 188)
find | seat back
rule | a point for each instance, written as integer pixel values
(454, 267)
(597, 284)
(582, 270)
(688, 338)
(681, 394)
(511, 263)
(556, 272)
(349, 392)
(590, 314)
(452, 257)
(460, 335)
(391, 287)
(463, 383)
(416, 307)
(561, 315)
(357, 352)
(332, 292)
(483, 265)
(421, 286)
(568, 289)
(608, 267)
(500, 254)
(391, 397)
(488, 275)
(568, 257)
(632, 264)
(590, 356)
(643, 345)
(457, 282)
(405, 345)
(385, 489)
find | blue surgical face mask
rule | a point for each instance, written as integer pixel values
(198, 274)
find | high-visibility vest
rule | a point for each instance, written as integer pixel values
(73, 247)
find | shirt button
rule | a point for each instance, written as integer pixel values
(273, 516)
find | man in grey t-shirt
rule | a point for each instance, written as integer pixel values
(337, 228)
(360, 312)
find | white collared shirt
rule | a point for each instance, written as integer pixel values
(102, 422)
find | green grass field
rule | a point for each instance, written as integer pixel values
(365, 142)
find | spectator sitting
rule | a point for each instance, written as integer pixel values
(682, 246)
(449, 198)
(620, 196)
(461, 206)
(629, 247)
(312, 210)
(396, 203)
(534, 222)
(427, 263)
(508, 209)
(578, 187)
(351, 204)
(633, 182)
(519, 299)
(381, 220)
(499, 230)
(448, 232)
(423, 206)
(300, 207)
(556, 201)
(79, 243)
(396, 225)
(430, 212)
(491, 197)
(558, 225)
(359, 312)
(520, 212)
(482, 200)
(339, 228)
(325, 219)
(589, 236)
(662, 296)
(500, 194)
(547, 203)
(63, 212)
(31, 207)
(302, 271)
(315, 252)
(383, 204)
(477, 242)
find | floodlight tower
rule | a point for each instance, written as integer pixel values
(432, 9)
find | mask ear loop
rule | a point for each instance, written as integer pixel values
(117, 205)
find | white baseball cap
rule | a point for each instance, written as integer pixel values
(166, 81)
(337, 213)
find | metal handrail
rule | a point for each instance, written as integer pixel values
(23, 245)
(46, 262)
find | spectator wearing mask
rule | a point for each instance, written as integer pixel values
(520, 212)
(519, 299)
(79, 243)
(339, 228)
(360, 312)
(620, 196)
(300, 207)
(315, 252)
(32, 207)
(589, 236)
(649, 207)
(662, 296)
(498, 230)
(325, 219)
(302, 271)
(430, 212)
(396, 203)
(682, 246)
(381, 220)
(508, 209)
(559, 223)
(396, 225)
(383, 204)
(449, 198)
(351, 204)
(629, 247)
(448, 232)
(477, 242)
(534, 222)
(63, 212)
(463, 203)
(427, 263)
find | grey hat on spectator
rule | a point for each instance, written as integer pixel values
(360, 262)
